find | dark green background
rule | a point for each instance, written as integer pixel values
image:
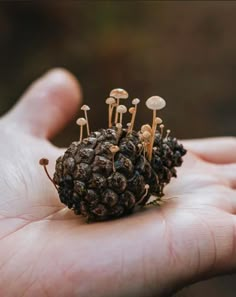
(184, 51)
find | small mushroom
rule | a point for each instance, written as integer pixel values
(86, 108)
(154, 103)
(118, 94)
(121, 109)
(114, 149)
(146, 187)
(111, 103)
(162, 129)
(81, 122)
(168, 133)
(44, 162)
(135, 102)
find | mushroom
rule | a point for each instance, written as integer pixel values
(135, 102)
(120, 110)
(146, 187)
(81, 122)
(44, 162)
(154, 103)
(85, 108)
(167, 133)
(111, 103)
(114, 149)
(118, 94)
(162, 129)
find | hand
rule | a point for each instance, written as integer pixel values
(45, 250)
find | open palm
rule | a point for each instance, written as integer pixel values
(45, 250)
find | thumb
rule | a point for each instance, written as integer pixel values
(48, 104)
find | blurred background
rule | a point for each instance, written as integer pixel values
(184, 51)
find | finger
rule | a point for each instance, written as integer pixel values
(48, 104)
(214, 150)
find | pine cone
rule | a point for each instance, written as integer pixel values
(107, 174)
(92, 185)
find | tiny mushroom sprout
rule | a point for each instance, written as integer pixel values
(118, 94)
(146, 187)
(114, 149)
(162, 129)
(86, 108)
(135, 102)
(111, 103)
(167, 133)
(44, 162)
(121, 109)
(119, 128)
(81, 122)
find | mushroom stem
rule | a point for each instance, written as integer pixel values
(162, 130)
(121, 117)
(44, 162)
(133, 119)
(154, 126)
(116, 115)
(111, 111)
(81, 134)
(87, 124)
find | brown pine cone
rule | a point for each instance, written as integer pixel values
(88, 184)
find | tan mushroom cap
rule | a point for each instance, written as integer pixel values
(114, 149)
(155, 103)
(146, 135)
(146, 127)
(158, 121)
(119, 125)
(135, 101)
(121, 109)
(110, 100)
(81, 122)
(131, 110)
(85, 107)
(119, 94)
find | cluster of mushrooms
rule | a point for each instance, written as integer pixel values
(147, 132)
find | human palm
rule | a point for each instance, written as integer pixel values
(45, 250)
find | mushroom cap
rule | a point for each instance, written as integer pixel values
(135, 101)
(155, 103)
(114, 149)
(158, 121)
(43, 162)
(131, 110)
(121, 109)
(85, 107)
(110, 100)
(146, 127)
(119, 93)
(162, 126)
(81, 122)
(146, 135)
(118, 125)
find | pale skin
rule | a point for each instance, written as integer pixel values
(45, 250)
